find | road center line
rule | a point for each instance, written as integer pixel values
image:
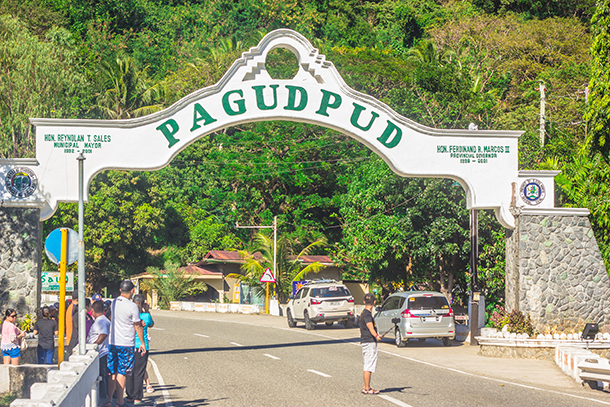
(236, 344)
(271, 356)
(393, 400)
(319, 373)
(166, 399)
(413, 360)
(203, 336)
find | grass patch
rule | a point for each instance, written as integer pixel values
(6, 399)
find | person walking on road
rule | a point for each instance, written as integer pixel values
(124, 326)
(99, 335)
(368, 341)
(46, 329)
(134, 382)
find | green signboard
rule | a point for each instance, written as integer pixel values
(50, 281)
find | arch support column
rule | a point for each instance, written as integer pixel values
(554, 269)
(20, 259)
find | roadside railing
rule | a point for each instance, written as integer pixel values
(73, 385)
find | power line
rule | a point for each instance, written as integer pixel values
(232, 176)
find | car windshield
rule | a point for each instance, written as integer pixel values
(329, 292)
(436, 302)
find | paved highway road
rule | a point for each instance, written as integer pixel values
(201, 359)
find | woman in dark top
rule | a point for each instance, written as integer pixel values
(46, 329)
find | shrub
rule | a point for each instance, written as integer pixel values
(519, 322)
(27, 324)
(499, 318)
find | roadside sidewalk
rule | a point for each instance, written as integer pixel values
(460, 357)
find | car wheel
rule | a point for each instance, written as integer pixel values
(349, 323)
(309, 324)
(447, 341)
(400, 342)
(421, 339)
(291, 322)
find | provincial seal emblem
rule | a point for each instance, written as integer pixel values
(21, 182)
(532, 191)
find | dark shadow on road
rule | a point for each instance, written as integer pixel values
(253, 347)
(394, 389)
(158, 387)
(195, 403)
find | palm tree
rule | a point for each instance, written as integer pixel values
(172, 284)
(289, 268)
(127, 92)
(426, 53)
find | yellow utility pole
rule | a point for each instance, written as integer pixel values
(63, 265)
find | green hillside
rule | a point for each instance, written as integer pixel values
(441, 63)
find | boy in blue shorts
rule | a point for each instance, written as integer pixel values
(124, 326)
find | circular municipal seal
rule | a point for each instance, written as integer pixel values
(21, 182)
(532, 191)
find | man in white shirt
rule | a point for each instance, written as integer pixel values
(99, 335)
(124, 325)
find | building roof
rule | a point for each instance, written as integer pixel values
(308, 259)
(224, 255)
(232, 256)
(208, 265)
(190, 270)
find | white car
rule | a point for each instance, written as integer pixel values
(321, 301)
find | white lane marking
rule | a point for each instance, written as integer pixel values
(236, 344)
(493, 379)
(404, 357)
(203, 336)
(319, 373)
(158, 329)
(166, 399)
(393, 400)
(271, 356)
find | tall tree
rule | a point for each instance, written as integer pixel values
(126, 91)
(38, 78)
(598, 112)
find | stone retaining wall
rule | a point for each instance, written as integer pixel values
(555, 271)
(494, 351)
(20, 259)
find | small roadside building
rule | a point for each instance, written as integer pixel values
(217, 265)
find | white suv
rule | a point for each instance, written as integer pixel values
(321, 301)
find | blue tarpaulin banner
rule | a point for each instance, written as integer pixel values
(296, 285)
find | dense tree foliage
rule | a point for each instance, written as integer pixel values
(34, 71)
(442, 63)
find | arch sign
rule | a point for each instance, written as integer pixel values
(485, 163)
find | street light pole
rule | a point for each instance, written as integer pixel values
(82, 311)
(274, 247)
(274, 227)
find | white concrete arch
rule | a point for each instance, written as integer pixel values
(485, 162)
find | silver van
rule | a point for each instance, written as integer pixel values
(419, 314)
